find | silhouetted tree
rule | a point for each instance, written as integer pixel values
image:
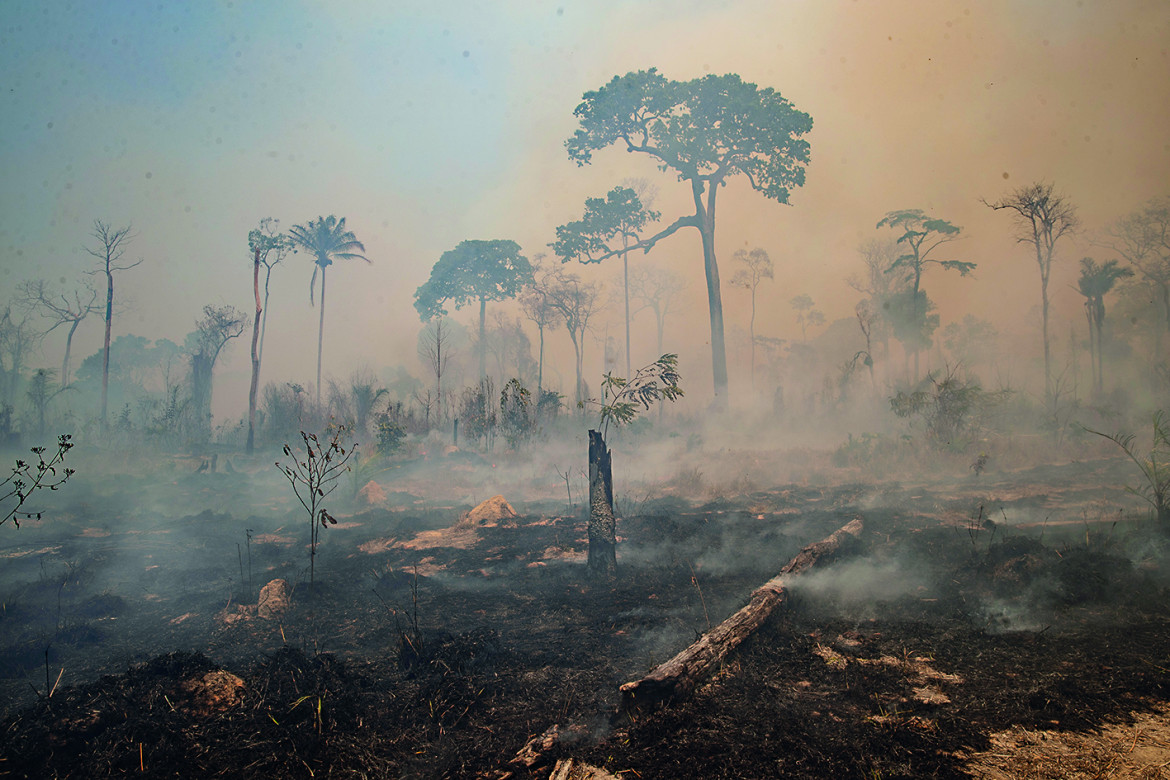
(474, 271)
(1095, 283)
(61, 309)
(707, 130)
(757, 268)
(656, 289)
(619, 217)
(920, 236)
(17, 340)
(1042, 218)
(435, 351)
(268, 247)
(534, 300)
(576, 301)
(111, 247)
(218, 326)
(1143, 240)
(326, 239)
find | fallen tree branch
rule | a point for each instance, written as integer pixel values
(681, 675)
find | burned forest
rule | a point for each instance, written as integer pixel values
(730, 390)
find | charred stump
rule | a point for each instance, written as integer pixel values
(602, 523)
(681, 675)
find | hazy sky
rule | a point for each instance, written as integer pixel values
(425, 124)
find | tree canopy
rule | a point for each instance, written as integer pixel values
(474, 271)
(707, 131)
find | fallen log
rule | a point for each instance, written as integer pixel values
(681, 675)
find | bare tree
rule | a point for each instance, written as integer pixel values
(534, 300)
(576, 301)
(757, 268)
(656, 289)
(269, 246)
(434, 349)
(111, 247)
(1042, 218)
(61, 309)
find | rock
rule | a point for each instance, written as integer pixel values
(493, 510)
(372, 493)
(274, 599)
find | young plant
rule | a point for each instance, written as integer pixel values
(1154, 466)
(622, 400)
(313, 476)
(27, 478)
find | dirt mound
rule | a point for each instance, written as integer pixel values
(494, 510)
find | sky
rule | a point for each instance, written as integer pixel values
(428, 123)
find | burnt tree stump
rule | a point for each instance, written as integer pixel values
(602, 523)
(681, 675)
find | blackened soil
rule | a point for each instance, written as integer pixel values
(443, 661)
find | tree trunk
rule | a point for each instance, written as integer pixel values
(320, 337)
(255, 385)
(482, 338)
(714, 296)
(68, 350)
(626, 289)
(602, 523)
(106, 348)
(681, 675)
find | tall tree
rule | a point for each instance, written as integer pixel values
(1042, 218)
(326, 239)
(880, 283)
(1095, 283)
(920, 236)
(18, 338)
(609, 226)
(656, 289)
(217, 326)
(61, 308)
(434, 349)
(707, 131)
(109, 251)
(576, 301)
(474, 270)
(534, 300)
(1143, 240)
(268, 246)
(757, 267)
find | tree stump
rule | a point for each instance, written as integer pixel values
(602, 523)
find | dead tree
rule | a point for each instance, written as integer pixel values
(681, 675)
(622, 400)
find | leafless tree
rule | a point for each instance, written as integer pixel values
(657, 289)
(61, 308)
(576, 301)
(1042, 217)
(434, 350)
(534, 301)
(111, 246)
(757, 267)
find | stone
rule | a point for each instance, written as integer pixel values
(274, 599)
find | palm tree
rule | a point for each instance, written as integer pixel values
(326, 239)
(1095, 282)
